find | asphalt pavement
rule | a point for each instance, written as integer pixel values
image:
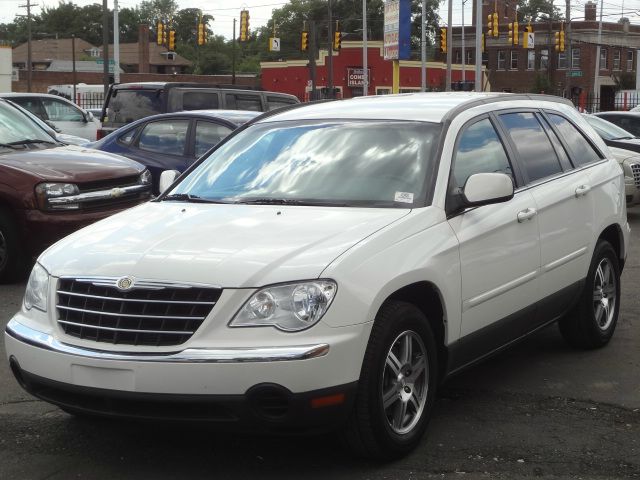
(538, 410)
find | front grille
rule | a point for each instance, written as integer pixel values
(635, 169)
(108, 183)
(150, 313)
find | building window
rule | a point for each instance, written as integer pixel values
(603, 59)
(616, 59)
(502, 58)
(531, 59)
(544, 59)
(575, 58)
(562, 60)
(457, 57)
(630, 60)
(514, 59)
(469, 55)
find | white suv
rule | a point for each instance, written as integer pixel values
(327, 266)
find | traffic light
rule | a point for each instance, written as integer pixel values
(304, 41)
(483, 43)
(172, 40)
(496, 33)
(557, 35)
(490, 24)
(244, 25)
(513, 33)
(159, 33)
(337, 40)
(201, 34)
(443, 40)
(562, 39)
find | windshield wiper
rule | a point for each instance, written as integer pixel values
(624, 138)
(288, 201)
(29, 141)
(187, 197)
(9, 145)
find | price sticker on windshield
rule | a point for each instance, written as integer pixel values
(403, 197)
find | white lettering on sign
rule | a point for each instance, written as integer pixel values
(355, 77)
(391, 30)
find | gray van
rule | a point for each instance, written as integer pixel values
(128, 102)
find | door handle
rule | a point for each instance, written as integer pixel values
(527, 214)
(582, 190)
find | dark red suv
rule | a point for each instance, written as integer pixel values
(48, 191)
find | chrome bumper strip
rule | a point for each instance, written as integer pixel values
(190, 355)
(112, 193)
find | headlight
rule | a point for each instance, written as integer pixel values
(56, 196)
(145, 178)
(37, 289)
(290, 307)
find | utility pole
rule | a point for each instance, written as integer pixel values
(233, 54)
(462, 46)
(597, 74)
(449, 46)
(423, 49)
(105, 46)
(365, 48)
(478, 72)
(116, 43)
(29, 59)
(330, 59)
(568, 55)
(312, 58)
(73, 63)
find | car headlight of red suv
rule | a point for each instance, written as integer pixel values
(46, 192)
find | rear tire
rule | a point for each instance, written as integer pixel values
(591, 323)
(12, 264)
(397, 385)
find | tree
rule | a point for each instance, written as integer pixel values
(153, 10)
(538, 11)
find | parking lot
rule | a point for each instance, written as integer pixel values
(540, 409)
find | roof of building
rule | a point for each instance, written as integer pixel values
(129, 55)
(49, 49)
(427, 107)
(81, 66)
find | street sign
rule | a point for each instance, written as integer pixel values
(100, 61)
(355, 77)
(529, 40)
(274, 44)
(397, 30)
(575, 73)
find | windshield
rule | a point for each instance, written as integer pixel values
(16, 126)
(355, 163)
(607, 130)
(126, 106)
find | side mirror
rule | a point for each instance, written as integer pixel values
(486, 188)
(167, 178)
(88, 117)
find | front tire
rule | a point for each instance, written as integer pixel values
(397, 384)
(593, 320)
(12, 265)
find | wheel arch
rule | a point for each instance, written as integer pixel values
(613, 234)
(428, 298)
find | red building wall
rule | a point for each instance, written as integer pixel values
(293, 76)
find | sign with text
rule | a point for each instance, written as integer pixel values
(397, 30)
(355, 77)
(274, 44)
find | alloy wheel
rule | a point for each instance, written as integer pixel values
(605, 288)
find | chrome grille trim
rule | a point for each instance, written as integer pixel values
(126, 329)
(97, 297)
(137, 312)
(635, 169)
(109, 314)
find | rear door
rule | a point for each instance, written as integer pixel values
(564, 207)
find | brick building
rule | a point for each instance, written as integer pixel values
(570, 73)
(293, 76)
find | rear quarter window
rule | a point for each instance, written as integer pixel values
(579, 148)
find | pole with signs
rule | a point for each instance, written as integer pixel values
(365, 67)
(423, 49)
(397, 33)
(478, 72)
(450, 44)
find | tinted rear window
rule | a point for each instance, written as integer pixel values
(130, 105)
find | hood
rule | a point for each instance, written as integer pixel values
(233, 246)
(621, 154)
(71, 164)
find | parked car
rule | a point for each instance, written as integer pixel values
(128, 102)
(173, 141)
(63, 114)
(48, 192)
(625, 149)
(629, 121)
(59, 137)
(327, 266)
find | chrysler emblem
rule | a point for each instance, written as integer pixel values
(124, 283)
(116, 192)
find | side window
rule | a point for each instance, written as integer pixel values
(59, 111)
(34, 105)
(127, 138)
(199, 100)
(479, 150)
(243, 102)
(277, 102)
(534, 149)
(168, 137)
(629, 124)
(208, 134)
(580, 150)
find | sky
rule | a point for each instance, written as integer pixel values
(260, 10)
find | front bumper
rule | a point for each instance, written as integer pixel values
(292, 388)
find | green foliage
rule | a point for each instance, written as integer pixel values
(538, 11)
